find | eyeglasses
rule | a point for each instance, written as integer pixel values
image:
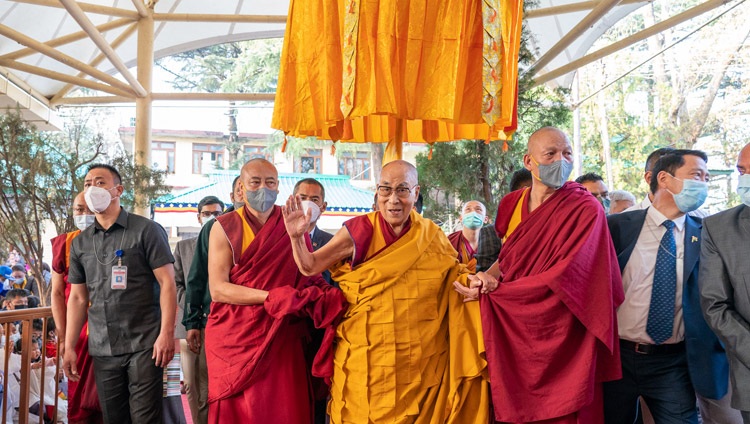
(206, 214)
(401, 191)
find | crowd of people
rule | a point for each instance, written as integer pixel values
(577, 305)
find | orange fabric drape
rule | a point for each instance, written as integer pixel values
(393, 71)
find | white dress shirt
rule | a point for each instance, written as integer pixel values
(638, 280)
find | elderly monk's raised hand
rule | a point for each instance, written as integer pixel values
(296, 220)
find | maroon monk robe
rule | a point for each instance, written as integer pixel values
(256, 355)
(459, 242)
(361, 230)
(83, 400)
(550, 328)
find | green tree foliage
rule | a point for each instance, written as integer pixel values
(686, 95)
(41, 173)
(240, 67)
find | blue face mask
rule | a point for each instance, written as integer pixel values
(743, 188)
(261, 199)
(606, 203)
(473, 220)
(692, 196)
(555, 174)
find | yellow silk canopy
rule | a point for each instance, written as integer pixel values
(393, 71)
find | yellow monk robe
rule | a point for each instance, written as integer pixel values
(408, 350)
(393, 70)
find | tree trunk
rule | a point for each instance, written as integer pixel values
(484, 171)
(377, 160)
(233, 145)
(701, 114)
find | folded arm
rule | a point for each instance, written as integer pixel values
(220, 262)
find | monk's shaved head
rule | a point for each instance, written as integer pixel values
(397, 192)
(743, 160)
(474, 205)
(253, 165)
(403, 168)
(545, 135)
(79, 205)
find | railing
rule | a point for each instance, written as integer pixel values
(26, 318)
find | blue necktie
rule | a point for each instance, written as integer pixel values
(661, 311)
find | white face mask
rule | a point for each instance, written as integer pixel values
(15, 337)
(308, 204)
(84, 221)
(206, 219)
(97, 198)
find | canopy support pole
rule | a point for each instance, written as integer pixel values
(142, 154)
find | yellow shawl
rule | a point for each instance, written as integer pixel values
(408, 350)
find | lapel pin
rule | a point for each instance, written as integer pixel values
(694, 239)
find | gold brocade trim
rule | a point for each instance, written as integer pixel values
(492, 52)
(349, 52)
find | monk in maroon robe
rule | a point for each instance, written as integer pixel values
(83, 400)
(258, 330)
(550, 327)
(466, 240)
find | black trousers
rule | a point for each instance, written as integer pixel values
(663, 382)
(130, 388)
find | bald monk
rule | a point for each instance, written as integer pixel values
(408, 349)
(550, 327)
(263, 309)
(466, 240)
(83, 401)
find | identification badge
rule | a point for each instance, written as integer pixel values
(119, 279)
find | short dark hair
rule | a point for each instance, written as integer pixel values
(671, 162)
(33, 301)
(655, 155)
(419, 204)
(590, 177)
(19, 343)
(15, 293)
(110, 168)
(519, 179)
(17, 267)
(310, 181)
(209, 200)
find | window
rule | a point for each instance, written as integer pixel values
(162, 155)
(253, 152)
(355, 164)
(207, 157)
(309, 162)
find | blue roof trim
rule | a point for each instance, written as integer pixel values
(341, 196)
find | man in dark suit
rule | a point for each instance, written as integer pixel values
(725, 284)
(668, 351)
(312, 192)
(193, 364)
(313, 195)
